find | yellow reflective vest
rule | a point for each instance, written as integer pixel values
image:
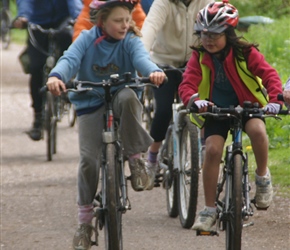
(253, 83)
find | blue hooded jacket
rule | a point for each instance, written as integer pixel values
(96, 62)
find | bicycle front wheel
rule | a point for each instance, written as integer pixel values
(188, 174)
(234, 223)
(51, 126)
(113, 213)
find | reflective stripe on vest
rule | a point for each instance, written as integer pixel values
(253, 83)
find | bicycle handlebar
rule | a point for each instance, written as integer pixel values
(64, 25)
(280, 97)
(67, 24)
(114, 80)
(249, 110)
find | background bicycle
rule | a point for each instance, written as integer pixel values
(233, 201)
(55, 107)
(179, 160)
(5, 22)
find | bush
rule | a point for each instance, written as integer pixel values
(271, 8)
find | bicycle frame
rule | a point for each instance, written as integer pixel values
(223, 204)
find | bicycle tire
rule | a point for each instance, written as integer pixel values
(148, 107)
(170, 179)
(51, 126)
(71, 114)
(113, 213)
(234, 223)
(188, 174)
(5, 28)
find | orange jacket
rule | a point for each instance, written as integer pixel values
(83, 20)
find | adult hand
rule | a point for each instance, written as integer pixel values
(20, 22)
(55, 85)
(157, 77)
(272, 108)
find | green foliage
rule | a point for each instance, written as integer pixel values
(274, 43)
(279, 133)
(270, 8)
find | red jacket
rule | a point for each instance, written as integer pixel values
(256, 65)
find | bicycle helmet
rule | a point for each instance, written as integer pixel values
(217, 17)
(98, 5)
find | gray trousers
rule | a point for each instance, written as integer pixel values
(135, 139)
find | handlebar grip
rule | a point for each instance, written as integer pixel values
(43, 89)
(165, 80)
(280, 97)
(284, 112)
(71, 84)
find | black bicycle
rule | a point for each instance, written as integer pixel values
(55, 107)
(233, 190)
(112, 200)
(5, 21)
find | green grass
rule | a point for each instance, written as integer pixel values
(279, 157)
(19, 36)
(279, 164)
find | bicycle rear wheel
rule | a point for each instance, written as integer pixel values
(51, 126)
(170, 178)
(148, 107)
(71, 114)
(5, 28)
(188, 174)
(113, 213)
(234, 223)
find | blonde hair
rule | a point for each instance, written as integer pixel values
(98, 16)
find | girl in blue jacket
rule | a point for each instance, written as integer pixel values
(111, 47)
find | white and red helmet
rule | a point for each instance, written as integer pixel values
(216, 17)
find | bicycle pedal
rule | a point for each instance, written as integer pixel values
(207, 233)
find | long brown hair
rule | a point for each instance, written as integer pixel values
(240, 45)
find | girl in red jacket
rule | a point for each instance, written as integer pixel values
(226, 70)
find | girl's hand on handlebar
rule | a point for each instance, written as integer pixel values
(157, 78)
(272, 108)
(55, 85)
(202, 105)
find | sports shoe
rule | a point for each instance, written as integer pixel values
(204, 221)
(35, 132)
(82, 238)
(139, 177)
(264, 191)
(151, 170)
